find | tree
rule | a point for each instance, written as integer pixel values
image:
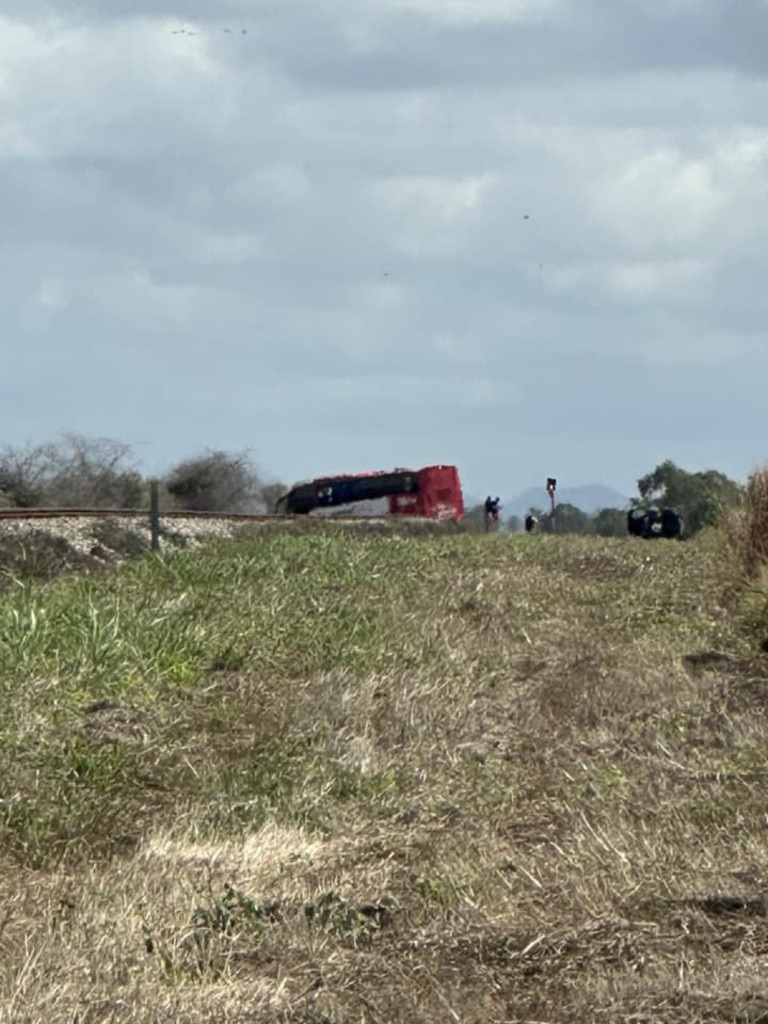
(217, 481)
(74, 471)
(570, 519)
(610, 522)
(701, 498)
(93, 473)
(22, 472)
(567, 519)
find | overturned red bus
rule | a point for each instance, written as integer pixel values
(431, 493)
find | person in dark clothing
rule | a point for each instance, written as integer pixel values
(492, 508)
(530, 522)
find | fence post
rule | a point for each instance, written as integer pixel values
(154, 514)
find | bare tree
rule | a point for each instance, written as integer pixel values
(75, 471)
(22, 474)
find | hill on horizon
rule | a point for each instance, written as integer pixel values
(589, 498)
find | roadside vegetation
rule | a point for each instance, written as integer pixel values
(344, 775)
(82, 472)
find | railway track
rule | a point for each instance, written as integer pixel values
(133, 513)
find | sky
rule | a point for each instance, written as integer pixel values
(526, 237)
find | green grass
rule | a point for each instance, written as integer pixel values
(358, 776)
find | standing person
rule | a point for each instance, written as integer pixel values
(487, 512)
(492, 507)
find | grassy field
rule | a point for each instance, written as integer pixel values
(354, 776)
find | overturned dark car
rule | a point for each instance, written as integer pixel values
(653, 523)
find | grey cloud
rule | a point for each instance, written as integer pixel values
(409, 50)
(90, 11)
(596, 37)
(503, 246)
(705, 33)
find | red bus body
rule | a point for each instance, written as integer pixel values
(433, 492)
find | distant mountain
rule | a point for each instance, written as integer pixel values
(588, 497)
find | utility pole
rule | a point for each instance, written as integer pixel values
(551, 488)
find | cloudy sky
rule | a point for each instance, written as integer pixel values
(524, 236)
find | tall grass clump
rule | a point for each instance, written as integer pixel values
(747, 532)
(747, 526)
(756, 520)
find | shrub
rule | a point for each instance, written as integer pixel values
(216, 481)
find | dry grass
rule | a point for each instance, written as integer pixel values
(748, 527)
(368, 778)
(747, 533)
